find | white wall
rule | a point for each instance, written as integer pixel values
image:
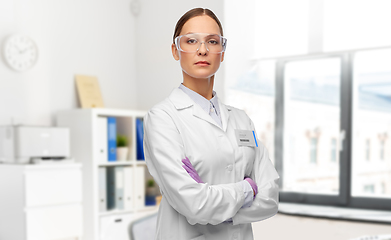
(130, 55)
(157, 71)
(74, 37)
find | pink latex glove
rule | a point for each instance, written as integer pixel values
(253, 185)
(190, 170)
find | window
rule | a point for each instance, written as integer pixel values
(334, 95)
(382, 143)
(371, 110)
(320, 99)
(311, 113)
(252, 91)
(383, 187)
(370, 188)
(367, 149)
(314, 150)
(333, 150)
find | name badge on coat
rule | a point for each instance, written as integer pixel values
(246, 138)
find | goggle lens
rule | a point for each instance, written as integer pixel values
(192, 42)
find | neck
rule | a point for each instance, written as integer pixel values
(202, 86)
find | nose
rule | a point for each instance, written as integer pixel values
(203, 49)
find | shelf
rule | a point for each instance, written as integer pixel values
(105, 112)
(89, 146)
(123, 163)
(115, 212)
(148, 208)
(117, 163)
(140, 163)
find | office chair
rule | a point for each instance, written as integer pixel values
(143, 228)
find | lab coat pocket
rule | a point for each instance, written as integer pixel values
(202, 237)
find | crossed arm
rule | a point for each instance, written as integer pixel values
(164, 151)
(194, 174)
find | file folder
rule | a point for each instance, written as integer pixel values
(115, 188)
(128, 188)
(102, 139)
(102, 189)
(139, 186)
(110, 194)
(119, 187)
(139, 138)
(112, 138)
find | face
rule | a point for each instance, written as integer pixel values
(200, 64)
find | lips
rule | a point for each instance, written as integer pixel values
(202, 63)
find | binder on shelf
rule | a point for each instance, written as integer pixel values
(119, 187)
(139, 138)
(112, 138)
(110, 182)
(102, 139)
(115, 188)
(139, 186)
(128, 180)
(102, 189)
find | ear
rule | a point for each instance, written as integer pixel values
(175, 52)
(222, 57)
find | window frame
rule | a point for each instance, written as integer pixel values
(344, 198)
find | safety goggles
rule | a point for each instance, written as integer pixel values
(192, 42)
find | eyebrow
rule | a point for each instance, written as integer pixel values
(210, 34)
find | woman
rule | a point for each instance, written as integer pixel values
(214, 175)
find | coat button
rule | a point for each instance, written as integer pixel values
(229, 167)
(235, 236)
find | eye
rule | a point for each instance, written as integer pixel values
(191, 41)
(213, 42)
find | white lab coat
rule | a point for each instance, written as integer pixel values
(178, 127)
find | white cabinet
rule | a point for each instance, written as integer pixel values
(115, 227)
(53, 187)
(41, 202)
(88, 137)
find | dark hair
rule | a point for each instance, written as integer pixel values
(195, 12)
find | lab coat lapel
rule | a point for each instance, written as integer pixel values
(200, 113)
(181, 100)
(224, 110)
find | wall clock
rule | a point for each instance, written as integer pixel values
(20, 52)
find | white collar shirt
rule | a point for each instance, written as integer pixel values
(209, 106)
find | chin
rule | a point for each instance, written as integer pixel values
(200, 73)
(201, 76)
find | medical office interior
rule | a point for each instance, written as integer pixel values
(313, 75)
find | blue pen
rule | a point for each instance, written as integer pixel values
(255, 139)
